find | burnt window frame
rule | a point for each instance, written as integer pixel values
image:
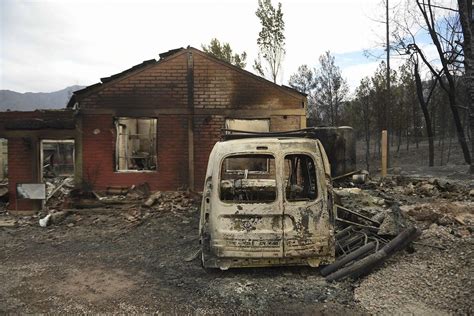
(52, 141)
(116, 144)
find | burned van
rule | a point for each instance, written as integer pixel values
(267, 201)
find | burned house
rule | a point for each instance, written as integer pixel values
(155, 122)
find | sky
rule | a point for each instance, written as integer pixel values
(47, 45)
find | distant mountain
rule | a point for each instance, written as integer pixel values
(30, 101)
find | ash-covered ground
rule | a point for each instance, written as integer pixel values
(133, 260)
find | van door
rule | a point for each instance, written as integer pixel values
(248, 222)
(305, 230)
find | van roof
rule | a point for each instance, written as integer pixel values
(251, 144)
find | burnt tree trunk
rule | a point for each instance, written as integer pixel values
(426, 114)
(459, 129)
(415, 124)
(442, 147)
(465, 16)
(450, 88)
(407, 139)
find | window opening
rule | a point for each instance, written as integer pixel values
(57, 158)
(246, 185)
(136, 144)
(300, 178)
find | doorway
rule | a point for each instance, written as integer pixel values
(57, 164)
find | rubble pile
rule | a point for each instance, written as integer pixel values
(159, 202)
(360, 200)
(57, 190)
(369, 214)
(175, 201)
(135, 204)
(457, 216)
(428, 188)
(424, 201)
(442, 213)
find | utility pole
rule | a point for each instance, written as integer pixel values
(384, 154)
(388, 101)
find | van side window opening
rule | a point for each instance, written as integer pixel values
(300, 178)
(248, 179)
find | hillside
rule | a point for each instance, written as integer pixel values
(29, 101)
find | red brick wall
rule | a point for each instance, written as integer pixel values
(20, 170)
(161, 85)
(99, 153)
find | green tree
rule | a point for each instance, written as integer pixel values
(331, 90)
(224, 52)
(271, 40)
(304, 81)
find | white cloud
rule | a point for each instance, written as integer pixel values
(356, 72)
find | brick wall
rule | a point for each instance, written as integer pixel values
(207, 131)
(11, 116)
(161, 85)
(284, 123)
(99, 154)
(221, 86)
(217, 86)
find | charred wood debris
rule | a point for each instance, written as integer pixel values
(374, 219)
(134, 204)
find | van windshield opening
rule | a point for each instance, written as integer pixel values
(248, 179)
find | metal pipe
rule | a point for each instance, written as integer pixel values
(348, 258)
(368, 263)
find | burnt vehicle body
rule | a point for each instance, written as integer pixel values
(267, 201)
